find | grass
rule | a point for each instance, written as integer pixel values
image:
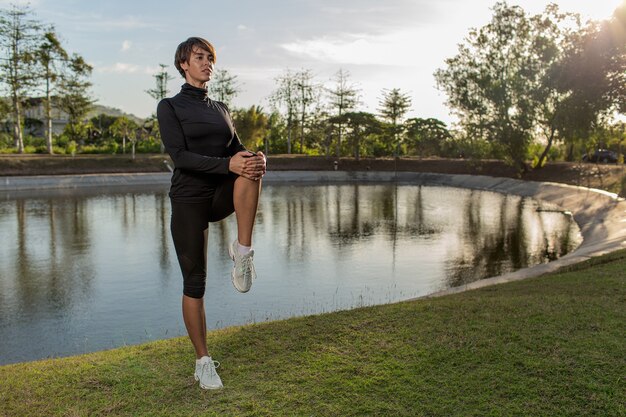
(550, 346)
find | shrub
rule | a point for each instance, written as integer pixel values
(149, 145)
(463, 147)
(71, 148)
(536, 149)
(34, 141)
(112, 147)
(61, 141)
(41, 149)
(6, 141)
(92, 149)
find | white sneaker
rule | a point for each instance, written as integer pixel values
(206, 373)
(243, 272)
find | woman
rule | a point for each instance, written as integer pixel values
(214, 176)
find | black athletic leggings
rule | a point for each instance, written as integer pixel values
(188, 223)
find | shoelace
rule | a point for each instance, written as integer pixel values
(246, 265)
(211, 365)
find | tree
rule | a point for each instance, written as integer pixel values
(19, 37)
(393, 106)
(306, 95)
(592, 78)
(73, 97)
(520, 76)
(50, 54)
(343, 97)
(252, 126)
(5, 108)
(224, 86)
(490, 81)
(286, 96)
(552, 33)
(274, 136)
(319, 132)
(125, 129)
(360, 125)
(608, 136)
(159, 92)
(426, 136)
(100, 128)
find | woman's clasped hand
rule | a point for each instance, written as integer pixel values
(248, 165)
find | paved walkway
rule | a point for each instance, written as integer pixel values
(600, 215)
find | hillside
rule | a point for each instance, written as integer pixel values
(112, 111)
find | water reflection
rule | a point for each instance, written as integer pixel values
(48, 260)
(86, 271)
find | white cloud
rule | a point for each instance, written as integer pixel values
(256, 73)
(120, 68)
(400, 48)
(125, 46)
(126, 68)
(246, 31)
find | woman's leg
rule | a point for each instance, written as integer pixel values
(195, 322)
(189, 231)
(240, 195)
(246, 201)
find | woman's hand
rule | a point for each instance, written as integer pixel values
(248, 165)
(261, 162)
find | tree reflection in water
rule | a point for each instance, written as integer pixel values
(483, 234)
(52, 240)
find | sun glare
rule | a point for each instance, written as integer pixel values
(596, 9)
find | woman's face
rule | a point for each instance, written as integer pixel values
(199, 68)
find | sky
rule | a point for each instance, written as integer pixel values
(383, 45)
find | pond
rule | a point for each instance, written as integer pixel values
(89, 270)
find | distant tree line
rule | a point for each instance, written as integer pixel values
(523, 87)
(306, 116)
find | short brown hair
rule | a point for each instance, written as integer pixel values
(184, 50)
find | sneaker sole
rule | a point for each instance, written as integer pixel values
(207, 387)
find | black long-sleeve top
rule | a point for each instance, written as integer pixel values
(199, 136)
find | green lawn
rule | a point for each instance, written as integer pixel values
(553, 345)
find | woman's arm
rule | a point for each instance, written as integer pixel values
(174, 140)
(245, 163)
(235, 144)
